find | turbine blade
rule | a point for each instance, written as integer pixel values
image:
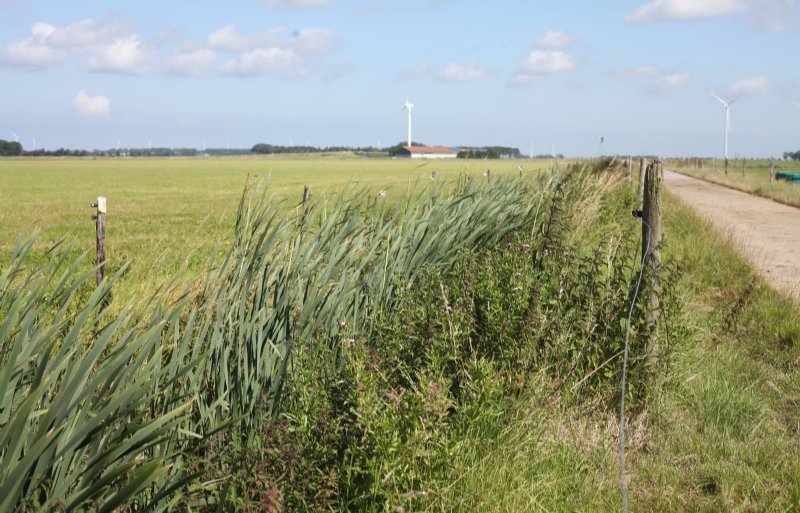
(720, 99)
(731, 102)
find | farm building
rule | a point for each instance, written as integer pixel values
(427, 152)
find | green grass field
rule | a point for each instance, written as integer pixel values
(753, 177)
(166, 216)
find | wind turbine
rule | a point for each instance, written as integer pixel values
(16, 137)
(727, 107)
(34, 144)
(409, 107)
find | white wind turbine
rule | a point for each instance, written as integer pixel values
(727, 107)
(16, 137)
(409, 107)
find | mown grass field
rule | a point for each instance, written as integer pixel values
(166, 216)
(753, 177)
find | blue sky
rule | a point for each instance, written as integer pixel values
(86, 73)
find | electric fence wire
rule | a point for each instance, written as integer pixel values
(623, 477)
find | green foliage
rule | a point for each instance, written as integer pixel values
(381, 426)
(10, 149)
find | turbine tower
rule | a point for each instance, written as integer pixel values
(409, 107)
(727, 108)
(16, 137)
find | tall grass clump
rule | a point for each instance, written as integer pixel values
(101, 407)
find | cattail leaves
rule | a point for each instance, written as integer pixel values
(100, 407)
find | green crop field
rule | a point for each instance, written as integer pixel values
(166, 216)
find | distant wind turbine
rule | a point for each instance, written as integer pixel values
(16, 137)
(34, 143)
(409, 107)
(727, 108)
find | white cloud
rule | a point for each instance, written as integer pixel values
(34, 52)
(662, 10)
(657, 81)
(545, 62)
(306, 41)
(671, 82)
(112, 45)
(128, 55)
(455, 72)
(754, 85)
(370, 7)
(299, 4)
(556, 40)
(774, 15)
(92, 106)
(282, 62)
(191, 63)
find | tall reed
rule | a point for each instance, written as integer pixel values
(100, 407)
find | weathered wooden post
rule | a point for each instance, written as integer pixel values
(642, 168)
(100, 219)
(726, 165)
(306, 196)
(771, 169)
(651, 250)
(630, 168)
(488, 175)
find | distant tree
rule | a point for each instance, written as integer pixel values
(10, 148)
(788, 155)
(392, 150)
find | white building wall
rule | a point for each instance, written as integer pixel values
(433, 155)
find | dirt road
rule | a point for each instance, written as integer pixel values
(767, 232)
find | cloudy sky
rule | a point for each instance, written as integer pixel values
(527, 73)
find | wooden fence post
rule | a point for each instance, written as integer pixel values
(630, 168)
(651, 250)
(100, 219)
(726, 165)
(771, 169)
(642, 167)
(306, 196)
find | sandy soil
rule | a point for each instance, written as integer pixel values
(768, 233)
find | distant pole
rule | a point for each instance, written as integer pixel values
(488, 175)
(651, 251)
(642, 168)
(100, 218)
(743, 161)
(726, 165)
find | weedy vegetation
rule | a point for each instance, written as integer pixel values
(454, 349)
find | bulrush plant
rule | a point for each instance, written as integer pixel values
(102, 408)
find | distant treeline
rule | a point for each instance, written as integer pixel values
(489, 152)
(789, 155)
(12, 149)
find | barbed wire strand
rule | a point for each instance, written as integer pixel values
(623, 477)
